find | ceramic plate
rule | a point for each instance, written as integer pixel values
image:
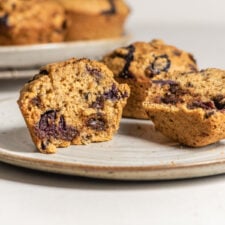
(16, 73)
(33, 56)
(137, 152)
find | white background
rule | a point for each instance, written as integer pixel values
(35, 198)
(197, 26)
(179, 11)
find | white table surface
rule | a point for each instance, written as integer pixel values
(35, 198)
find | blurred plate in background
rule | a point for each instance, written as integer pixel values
(34, 56)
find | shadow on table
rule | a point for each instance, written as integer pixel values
(37, 178)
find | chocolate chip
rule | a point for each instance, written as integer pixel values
(48, 127)
(125, 73)
(65, 132)
(177, 52)
(191, 57)
(44, 72)
(95, 72)
(99, 103)
(199, 104)
(209, 106)
(112, 9)
(164, 82)
(208, 114)
(36, 101)
(177, 90)
(219, 102)
(114, 94)
(174, 93)
(4, 20)
(160, 64)
(97, 122)
(171, 99)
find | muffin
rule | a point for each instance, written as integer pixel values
(95, 19)
(189, 107)
(138, 63)
(31, 21)
(72, 102)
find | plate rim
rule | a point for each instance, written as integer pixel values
(110, 172)
(46, 46)
(5, 152)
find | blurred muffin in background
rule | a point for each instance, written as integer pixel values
(95, 19)
(31, 21)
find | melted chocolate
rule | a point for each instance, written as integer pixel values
(204, 105)
(125, 73)
(48, 127)
(219, 102)
(99, 103)
(160, 64)
(95, 72)
(114, 94)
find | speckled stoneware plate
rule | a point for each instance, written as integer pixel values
(33, 56)
(137, 152)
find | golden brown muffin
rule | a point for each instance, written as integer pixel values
(138, 63)
(72, 102)
(95, 19)
(31, 21)
(189, 107)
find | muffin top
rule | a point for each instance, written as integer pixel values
(14, 12)
(143, 61)
(19, 17)
(105, 7)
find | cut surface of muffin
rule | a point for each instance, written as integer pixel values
(189, 107)
(72, 102)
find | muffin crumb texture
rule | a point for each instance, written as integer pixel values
(189, 107)
(72, 102)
